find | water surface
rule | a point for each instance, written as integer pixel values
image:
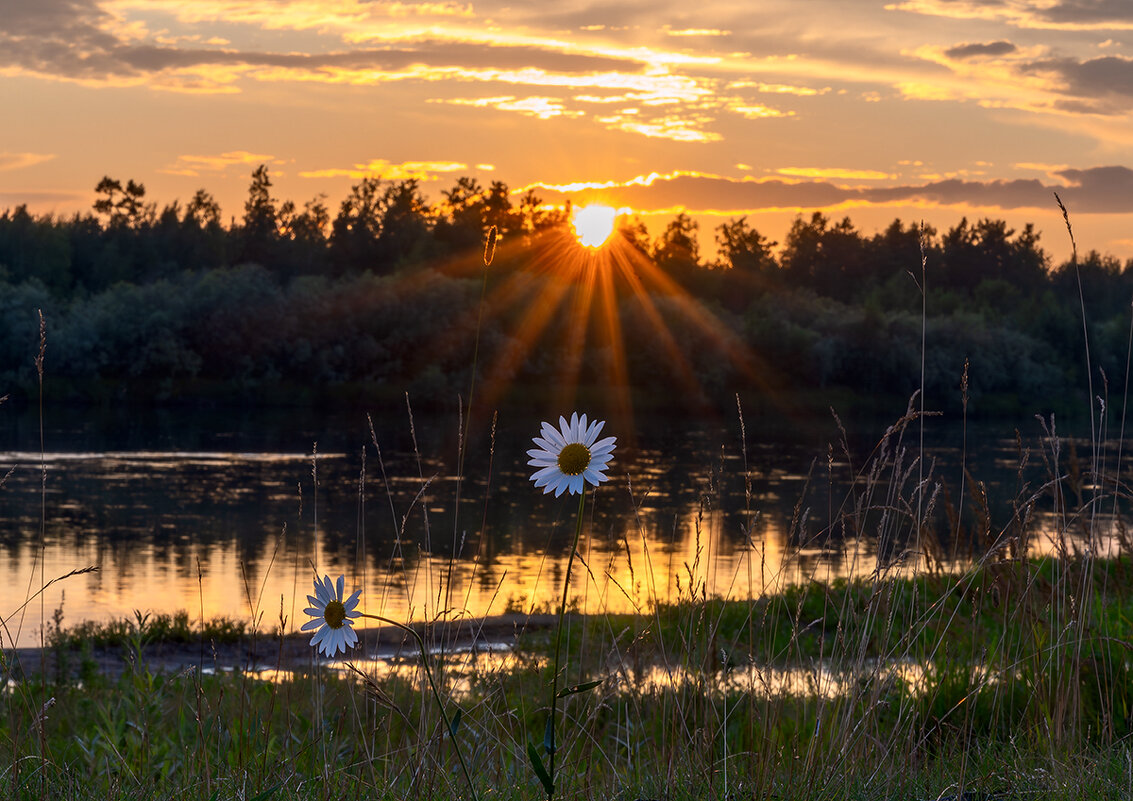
(231, 514)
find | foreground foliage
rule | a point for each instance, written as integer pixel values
(812, 692)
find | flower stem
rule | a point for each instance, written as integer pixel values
(559, 642)
(436, 695)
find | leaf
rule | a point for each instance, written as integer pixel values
(455, 723)
(549, 738)
(540, 771)
(586, 686)
(266, 794)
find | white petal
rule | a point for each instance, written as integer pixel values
(604, 445)
(547, 444)
(592, 432)
(316, 602)
(320, 635)
(321, 591)
(311, 624)
(540, 475)
(341, 587)
(314, 611)
(553, 437)
(351, 637)
(353, 600)
(577, 484)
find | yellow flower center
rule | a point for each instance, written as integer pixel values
(335, 614)
(574, 458)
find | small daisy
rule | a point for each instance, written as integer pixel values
(571, 455)
(332, 617)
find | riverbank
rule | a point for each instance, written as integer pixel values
(1005, 679)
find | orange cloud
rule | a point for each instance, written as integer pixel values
(543, 108)
(835, 173)
(17, 161)
(380, 168)
(195, 165)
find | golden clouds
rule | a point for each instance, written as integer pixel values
(835, 173)
(543, 108)
(195, 165)
(756, 111)
(17, 161)
(380, 168)
(1057, 15)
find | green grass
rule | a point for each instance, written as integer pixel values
(1019, 698)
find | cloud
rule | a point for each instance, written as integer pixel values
(43, 199)
(78, 40)
(16, 161)
(1099, 190)
(1000, 48)
(696, 32)
(756, 111)
(543, 108)
(385, 170)
(1096, 190)
(1106, 76)
(835, 173)
(1071, 15)
(195, 165)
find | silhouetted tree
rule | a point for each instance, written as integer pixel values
(460, 217)
(676, 251)
(630, 228)
(830, 259)
(303, 237)
(261, 223)
(744, 248)
(406, 233)
(355, 231)
(121, 205)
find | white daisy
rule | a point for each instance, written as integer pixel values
(571, 455)
(333, 618)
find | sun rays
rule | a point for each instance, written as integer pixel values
(568, 310)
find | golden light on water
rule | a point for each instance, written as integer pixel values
(594, 224)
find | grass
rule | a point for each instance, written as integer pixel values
(1005, 705)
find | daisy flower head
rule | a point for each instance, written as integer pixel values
(333, 617)
(571, 455)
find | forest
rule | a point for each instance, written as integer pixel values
(293, 304)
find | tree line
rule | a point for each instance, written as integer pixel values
(177, 304)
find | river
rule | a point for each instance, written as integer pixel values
(232, 513)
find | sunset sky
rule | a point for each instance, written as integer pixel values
(918, 109)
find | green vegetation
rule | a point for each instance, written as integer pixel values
(1027, 689)
(292, 305)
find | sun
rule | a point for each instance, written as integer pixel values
(593, 224)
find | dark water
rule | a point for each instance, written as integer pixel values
(228, 514)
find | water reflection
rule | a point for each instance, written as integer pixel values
(238, 532)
